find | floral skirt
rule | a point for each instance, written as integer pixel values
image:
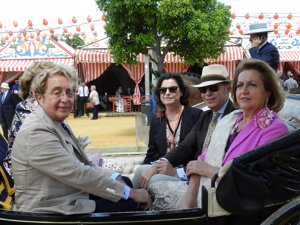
(167, 195)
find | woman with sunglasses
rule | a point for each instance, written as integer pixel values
(173, 121)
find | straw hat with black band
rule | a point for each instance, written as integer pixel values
(213, 74)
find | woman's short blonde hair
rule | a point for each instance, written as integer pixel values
(30, 73)
(93, 87)
(39, 82)
(269, 79)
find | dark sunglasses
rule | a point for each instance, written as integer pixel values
(172, 89)
(212, 88)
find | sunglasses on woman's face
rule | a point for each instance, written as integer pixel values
(172, 89)
(211, 88)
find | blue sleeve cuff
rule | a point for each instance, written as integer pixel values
(181, 174)
(114, 176)
(126, 192)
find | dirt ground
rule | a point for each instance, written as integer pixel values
(106, 131)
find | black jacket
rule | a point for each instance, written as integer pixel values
(191, 147)
(157, 137)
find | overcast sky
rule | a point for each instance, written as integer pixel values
(37, 10)
(264, 6)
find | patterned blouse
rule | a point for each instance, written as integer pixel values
(23, 109)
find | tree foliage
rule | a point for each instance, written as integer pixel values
(74, 42)
(192, 29)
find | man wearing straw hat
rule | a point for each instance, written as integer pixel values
(214, 87)
(260, 47)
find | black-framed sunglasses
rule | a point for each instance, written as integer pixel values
(172, 89)
(212, 88)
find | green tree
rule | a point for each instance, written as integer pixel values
(74, 42)
(192, 29)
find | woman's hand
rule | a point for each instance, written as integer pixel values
(201, 168)
(146, 176)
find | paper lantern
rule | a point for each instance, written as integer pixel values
(15, 23)
(45, 22)
(74, 20)
(60, 21)
(261, 16)
(25, 39)
(38, 32)
(29, 23)
(238, 26)
(233, 16)
(276, 16)
(2, 40)
(290, 16)
(24, 33)
(92, 27)
(241, 31)
(89, 18)
(51, 30)
(65, 30)
(286, 32)
(14, 39)
(247, 16)
(10, 33)
(78, 28)
(1, 25)
(32, 36)
(276, 26)
(289, 26)
(7, 38)
(103, 17)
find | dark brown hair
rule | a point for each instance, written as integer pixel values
(269, 79)
(183, 89)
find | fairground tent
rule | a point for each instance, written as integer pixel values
(16, 57)
(94, 59)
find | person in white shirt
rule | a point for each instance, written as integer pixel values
(94, 98)
(83, 94)
(290, 84)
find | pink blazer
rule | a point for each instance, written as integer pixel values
(251, 137)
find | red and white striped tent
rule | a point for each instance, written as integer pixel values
(290, 56)
(95, 61)
(16, 57)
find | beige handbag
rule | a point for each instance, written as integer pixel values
(209, 199)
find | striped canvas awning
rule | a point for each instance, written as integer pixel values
(98, 56)
(93, 56)
(14, 65)
(232, 53)
(289, 56)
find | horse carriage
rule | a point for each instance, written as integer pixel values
(265, 177)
